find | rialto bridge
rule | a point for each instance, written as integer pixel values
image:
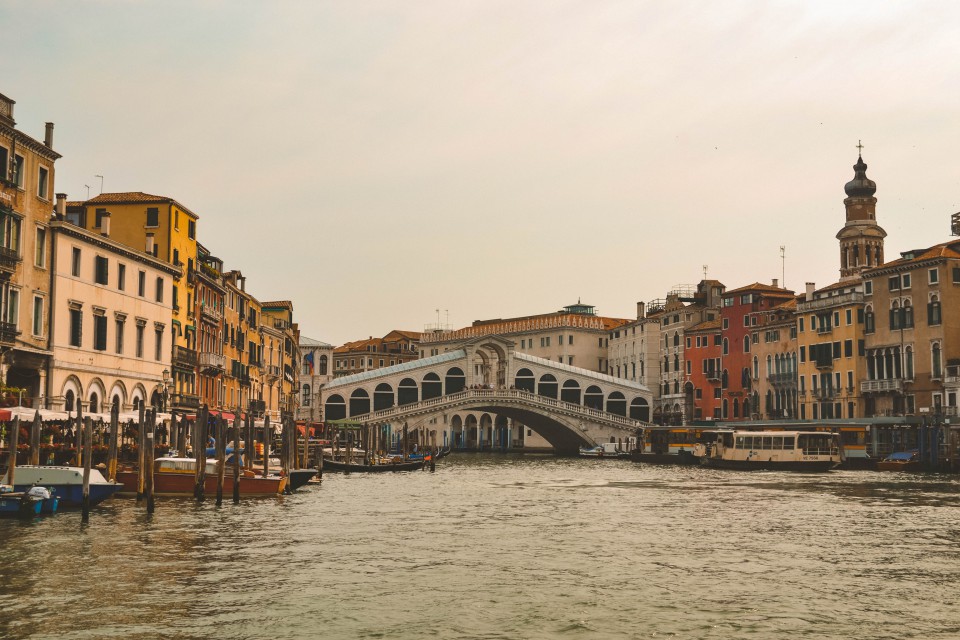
(568, 406)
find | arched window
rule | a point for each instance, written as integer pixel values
(907, 314)
(323, 365)
(306, 396)
(724, 379)
(768, 366)
(736, 408)
(937, 369)
(95, 403)
(676, 362)
(69, 399)
(726, 347)
(666, 364)
(933, 310)
(676, 339)
(746, 344)
(666, 388)
(908, 363)
(756, 368)
(869, 322)
(676, 386)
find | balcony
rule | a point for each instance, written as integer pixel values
(9, 259)
(782, 379)
(826, 393)
(826, 363)
(272, 372)
(258, 407)
(8, 332)
(208, 312)
(830, 301)
(184, 357)
(212, 363)
(894, 385)
(713, 375)
(244, 379)
(183, 401)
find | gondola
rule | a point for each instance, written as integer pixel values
(383, 467)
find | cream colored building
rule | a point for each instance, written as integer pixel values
(110, 325)
(316, 370)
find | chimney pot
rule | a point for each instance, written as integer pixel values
(61, 206)
(640, 306)
(809, 294)
(105, 224)
(150, 243)
(776, 282)
(48, 136)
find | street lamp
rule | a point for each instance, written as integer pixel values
(166, 388)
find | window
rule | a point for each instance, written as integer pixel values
(121, 276)
(176, 257)
(868, 288)
(141, 284)
(120, 322)
(158, 345)
(906, 281)
(18, 171)
(956, 275)
(726, 323)
(570, 338)
(153, 217)
(100, 271)
(848, 348)
(40, 257)
(13, 308)
(937, 362)
(869, 322)
(934, 276)
(849, 317)
(100, 332)
(139, 339)
(75, 265)
(893, 284)
(37, 316)
(76, 327)
(933, 311)
(43, 183)
(560, 339)
(800, 323)
(192, 229)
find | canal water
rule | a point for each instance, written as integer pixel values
(493, 546)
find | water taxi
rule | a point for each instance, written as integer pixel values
(606, 450)
(771, 450)
(900, 461)
(176, 477)
(66, 483)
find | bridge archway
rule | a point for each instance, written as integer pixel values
(432, 387)
(455, 380)
(470, 431)
(593, 397)
(456, 431)
(486, 430)
(382, 397)
(335, 408)
(548, 386)
(617, 404)
(640, 409)
(359, 402)
(407, 392)
(525, 381)
(570, 392)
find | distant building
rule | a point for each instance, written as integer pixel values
(316, 360)
(281, 354)
(703, 353)
(396, 347)
(773, 350)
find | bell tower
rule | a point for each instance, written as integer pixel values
(861, 238)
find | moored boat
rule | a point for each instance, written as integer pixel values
(771, 450)
(382, 465)
(606, 450)
(66, 483)
(34, 501)
(900, 461)
(176, 477)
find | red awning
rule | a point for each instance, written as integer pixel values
(4, 415)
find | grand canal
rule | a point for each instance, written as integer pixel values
(505, 547)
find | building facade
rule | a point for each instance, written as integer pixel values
(26, 205)
(316, 360)
(396, 347)
(111, 339)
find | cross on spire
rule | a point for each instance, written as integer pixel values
(859, 148)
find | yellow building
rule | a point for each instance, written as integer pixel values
(281, 352)
(163, 227)
(831, 348)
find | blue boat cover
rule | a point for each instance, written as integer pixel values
(902, 455)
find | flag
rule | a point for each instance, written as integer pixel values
(308, 360)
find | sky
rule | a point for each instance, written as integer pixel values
(375, 162)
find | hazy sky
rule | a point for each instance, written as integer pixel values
(375, 161)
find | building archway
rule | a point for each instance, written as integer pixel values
(455, 380)
(432, 387)
(335, 408)
(547, 386)
(593, 397)
(524, 380)
(570, 392)
(640, 409)
(359, 402)
(407, 392)
(617, 404)
(382, 397)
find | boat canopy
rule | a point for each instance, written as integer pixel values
(902, 455)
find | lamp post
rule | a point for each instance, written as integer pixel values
(166, 389)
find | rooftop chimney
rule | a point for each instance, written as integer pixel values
(61, 207)
(776, 283)
(810, 288)
(640, 306)
(150, 244)
(105, 224)
(48, 136)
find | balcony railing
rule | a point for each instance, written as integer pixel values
(185, 401)
(782, 379)
(272, 371)
(211, 313)
(184, 356)
(9, 259)
(212, 363)
(829, 301)
(8, 332)
(881, 386)
(713, 375)
(825, 393)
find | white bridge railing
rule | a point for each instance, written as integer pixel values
(512, 396)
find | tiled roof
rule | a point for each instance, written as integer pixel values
(135, 197)
(706, 325)
(764, 288)
(944, 250)
(413, 335)
(310, 342)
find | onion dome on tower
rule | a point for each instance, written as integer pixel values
(861, 238)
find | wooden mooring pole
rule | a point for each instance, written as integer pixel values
(221, 450)
(149, 456)
(13, 440)
(236, 458)
(114, 448)
(35, 439)
(87, 459)
(200, 452)
(287, 453)
(141, 444)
